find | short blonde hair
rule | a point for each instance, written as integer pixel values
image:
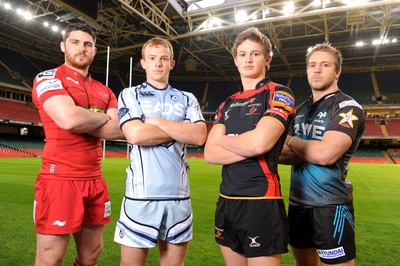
(328, 48)
(156, 41)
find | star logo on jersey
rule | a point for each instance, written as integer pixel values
(347, 119)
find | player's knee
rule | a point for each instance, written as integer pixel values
(49, 257)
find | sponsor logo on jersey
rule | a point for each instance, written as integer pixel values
(347, 119)
(277, 111)
(59, 223)
(147, 94)
(48, 74)
(107, 209)
(315, 131)
(349, 103)
(122, 111)
(254, 243)
(48, 85)
(163, 108)
(239, 104)
(283, 99)
(96, 110)
(331, 253)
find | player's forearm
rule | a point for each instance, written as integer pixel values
(215, 154)
(144, 134)
(184, 132)
(110, 131)
(288, 156)
(80, 120)
(312, 151)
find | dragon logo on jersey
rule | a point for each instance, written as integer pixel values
(347, 119)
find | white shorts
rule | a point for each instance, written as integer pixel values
(142, 223)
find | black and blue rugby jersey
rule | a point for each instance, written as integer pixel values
(318, 185)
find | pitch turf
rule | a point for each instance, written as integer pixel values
(376, 193)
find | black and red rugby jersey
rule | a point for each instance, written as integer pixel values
(257, 176)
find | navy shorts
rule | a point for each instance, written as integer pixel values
(328, 229)
(252, 227)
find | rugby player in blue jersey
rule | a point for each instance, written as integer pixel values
(326, 132)
(158, 122)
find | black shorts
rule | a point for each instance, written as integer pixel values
(328, 229)
(252, 227)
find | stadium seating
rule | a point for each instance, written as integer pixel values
(17, 110)
(393, 127)
(20, 146)
(373, 128)
(369, 155)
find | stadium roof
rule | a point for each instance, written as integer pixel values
(203, 35)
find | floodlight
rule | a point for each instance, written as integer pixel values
(360, 43)
(241, 16)
(288, 8)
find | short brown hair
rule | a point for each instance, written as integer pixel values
(328, 48)
(254, 35)
(79, 27)
(155, 41)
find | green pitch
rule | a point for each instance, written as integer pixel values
(377, 212)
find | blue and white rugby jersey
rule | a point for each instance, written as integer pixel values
(161, 171)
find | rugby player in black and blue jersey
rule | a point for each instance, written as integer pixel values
(324, 135)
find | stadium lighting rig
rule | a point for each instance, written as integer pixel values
(27, 15)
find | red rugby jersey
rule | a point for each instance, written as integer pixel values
(69, 155)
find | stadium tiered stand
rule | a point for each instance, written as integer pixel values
(373, 128)
(18, 111)
(393, 127)
(395, 155)
(20, 146)
(369, 155)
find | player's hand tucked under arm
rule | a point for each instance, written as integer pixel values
(63, 111)
(110, 130)
(325, 152)
(183, 132)
(139, 133)
(288, 156)
(213, 153)
(254, 142)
